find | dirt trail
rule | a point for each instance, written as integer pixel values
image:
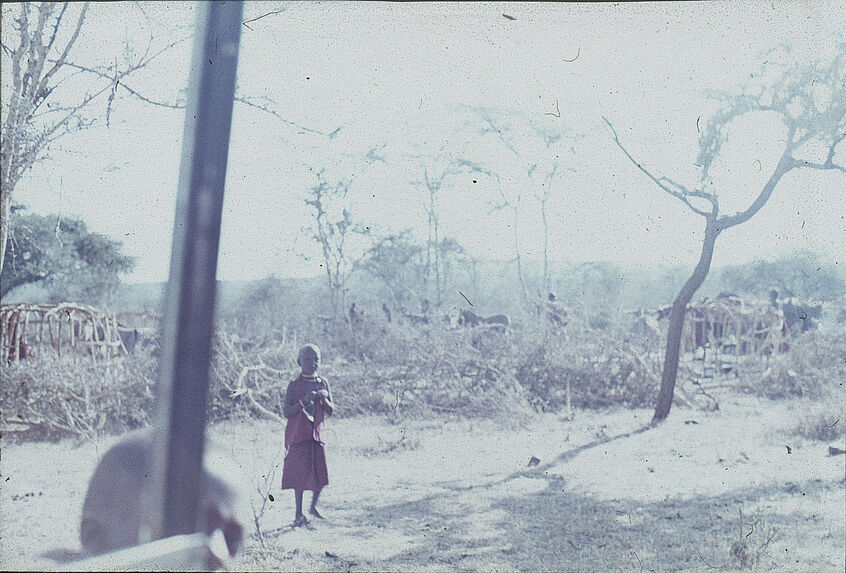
(459, 495)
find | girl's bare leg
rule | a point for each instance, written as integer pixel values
(313, 509)
(299, 518)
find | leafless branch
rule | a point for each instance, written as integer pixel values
(785, 164)
(59, 19)
(49, 133)
(474, 167)
(669, 186)
(68, 47)
(251, 103)
(829, 160)
(495, 128)
(115, 83)
(372, 155)
(498, 207)
(827, 164)
(245, 22)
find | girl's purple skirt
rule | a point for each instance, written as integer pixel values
(305, 467)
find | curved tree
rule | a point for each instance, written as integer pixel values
(810, 101)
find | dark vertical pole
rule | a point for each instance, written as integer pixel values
(177, 458)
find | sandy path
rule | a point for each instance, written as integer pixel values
(458, 495)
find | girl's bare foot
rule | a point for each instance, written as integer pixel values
(300, 521)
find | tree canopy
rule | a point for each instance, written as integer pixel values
(71, 263)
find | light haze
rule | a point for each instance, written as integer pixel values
(403, 80)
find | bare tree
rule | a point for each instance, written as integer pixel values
(541, 181)
(543, 199)
(493, 123)
(810, 101)
(44, 102)
(433, 185)
(437, 171)
(513, 205)
(396, 261)
(331, 229)
(541, 168)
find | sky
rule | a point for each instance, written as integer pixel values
(403, 80)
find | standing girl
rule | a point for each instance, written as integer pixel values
(307, 402)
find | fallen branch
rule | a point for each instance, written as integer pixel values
(262, 409)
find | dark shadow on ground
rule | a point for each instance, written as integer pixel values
(559, 530)
(540, 470)
(556, 530)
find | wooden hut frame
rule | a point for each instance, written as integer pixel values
(68, 326)
(733, 326)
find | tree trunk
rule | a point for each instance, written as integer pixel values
(329, 283)
(545, 287)
(437, 261)
(428, 288)
(523, 287)
(5, 204)
(342, 294)
(676, 327)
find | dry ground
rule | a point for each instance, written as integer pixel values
(457, 494)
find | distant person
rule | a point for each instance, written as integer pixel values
(307, 402)
(356, 316)
(556, 314)
(387, 312)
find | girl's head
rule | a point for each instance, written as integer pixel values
(309, 359)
